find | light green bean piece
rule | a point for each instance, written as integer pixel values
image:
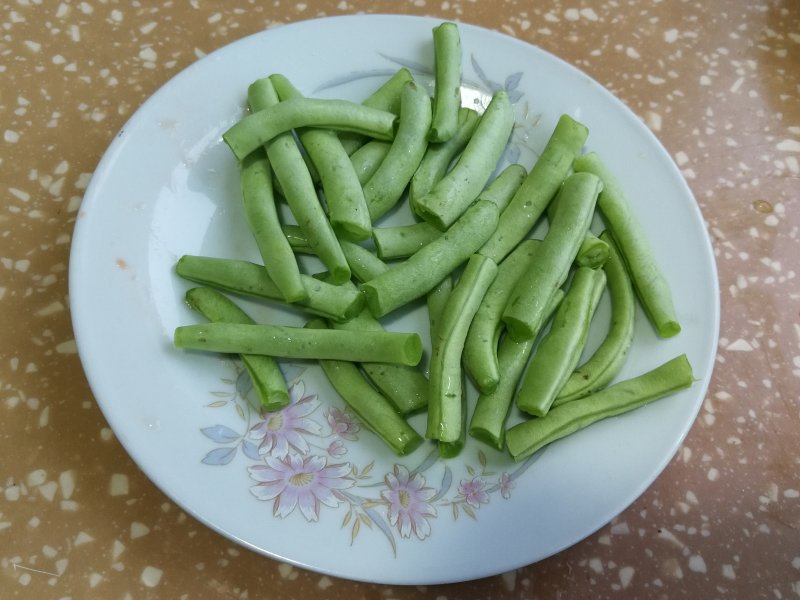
(447, 82)
(347, 208)
(401, 241)
(298, 188)
(262, 218)
(560, 349)
(265, 374)
(451, 195)
(538, 189)
(480, 348)
(610, 355)
(386, 186)
(243, 277)
(439, 157)
(488, 422)
(649, 281)
(372, 408)
(502, 190)
(593, 252)
(386, 97)
(368, 158)
(422, 271)
(404, 386)
(527, 437)
(436, 301)
(523, 315)
(257, 128)
(445, 421)
(301, 343)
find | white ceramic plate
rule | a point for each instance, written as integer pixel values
(168, 186)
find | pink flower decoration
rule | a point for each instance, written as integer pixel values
(408, 499)
(277, 432)
(473, 491)
(343, 424)
(506, 485)
(295, 481)
(337, 449)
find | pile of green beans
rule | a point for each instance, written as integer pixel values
(508, 315)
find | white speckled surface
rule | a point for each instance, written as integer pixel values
(717, 81)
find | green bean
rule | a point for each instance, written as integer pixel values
(527, 437)
(462, 184)
(386, 186)
(368, 158)
(447, 82)
(538, 189)
(297, 240)
(445, 421)
(386, 97)
(436, 300)
(347, 208)
(480, 348)
(504, 187)
(297, 186)
(593, 252)
(363, 264)
(492, 408)
(422, 271)
(560, 349)
(265, 374)
(404, 386)
(526, 305)
(257, 128)
(401, 241)
(649, 281)
(299, 343)
(439, 157)
(262, 218)
(372, 408)
(610, 356)
(250, 279)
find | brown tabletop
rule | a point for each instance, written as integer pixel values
(718, 82)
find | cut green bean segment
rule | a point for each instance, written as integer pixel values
(439, 157)
(368, 158)
(386, 186)
(296, 238)
(649, 281)
(451, 196)
(422, 271)
(436, 301)
(560, 349)
(524, 439)
(299, 343)
(401, 241)
(523, 315)
(265, 374)
(298, 188)
(454, 448)
(363, 263)
(404, 386)
(609, 357)
(445, 420)
(347, 208)
(372, 408)
(243, 277)
(386, 97)
(502, 190)
(538, 189)
(488, 422)
(257, 128)
(480, 349)
(447, 82)
(262, 218)
(593, 252)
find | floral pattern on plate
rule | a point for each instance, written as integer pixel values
(296, 459)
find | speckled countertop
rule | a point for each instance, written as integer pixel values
(718, 81)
